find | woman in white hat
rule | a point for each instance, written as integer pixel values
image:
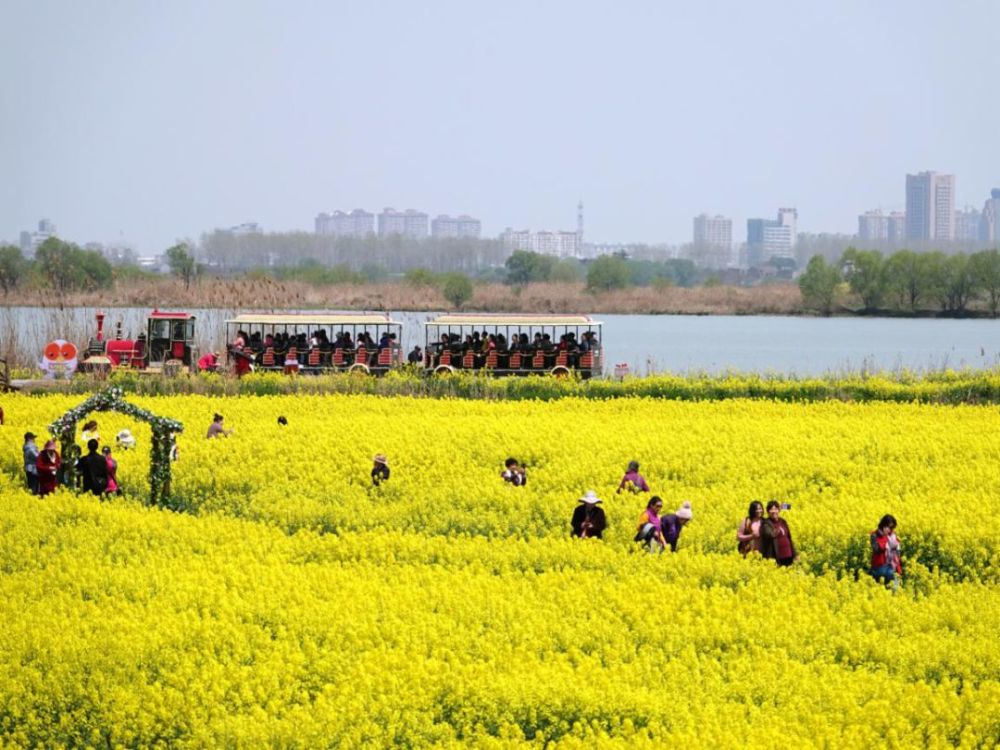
(588, 518)
(672, 524)
(380, 471)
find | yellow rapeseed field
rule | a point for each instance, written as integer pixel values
(291, 604)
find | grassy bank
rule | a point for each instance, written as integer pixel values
(947, 387)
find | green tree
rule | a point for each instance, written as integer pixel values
(457, 289)
(54, 259)
(65, 267)
(526, 267)
(985, 266)
(959, 283)
(182, 263)
(95, 271)
(13, 267)
(819, 284)
(865, 272)
(908, 278)
(608, 272)
(420, 277)
(566, 270)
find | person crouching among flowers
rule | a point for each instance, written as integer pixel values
(633, 481)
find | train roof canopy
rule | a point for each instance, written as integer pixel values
(511, 319)
(314, 319)
(161, 315)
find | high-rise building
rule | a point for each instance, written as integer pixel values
(408, 223)
(516, 239)
(461, 226)
(713, 231)
(29, 241)
(357, 223)
(772, 238)
(873, 226)
(967, 224)
(897, 226)
(989, 223)
(930, 206)
(563, 244)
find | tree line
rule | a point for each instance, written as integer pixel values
(59, 266)
(904, 281)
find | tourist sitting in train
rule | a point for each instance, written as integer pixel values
(525, 348)
(387, 341)
(501, 342)
(324, 344)
(255, 341)
(416, 357)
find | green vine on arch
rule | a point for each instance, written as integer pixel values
(111, 399)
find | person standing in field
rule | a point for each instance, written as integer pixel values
(886, 565)
(93, 469)
(748, 532)
(633, 480)
(30, 451)
(649, 531)
(672, 524)
(112, 487)
(588, 519)
(380, 469)
(48, 465)
(776, 538)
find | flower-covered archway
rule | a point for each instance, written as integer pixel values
(112, 399)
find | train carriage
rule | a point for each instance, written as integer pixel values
(312, 342)
(514, 344)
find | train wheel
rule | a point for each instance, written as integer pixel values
(359, 367)
(560, 372)
(444, 370)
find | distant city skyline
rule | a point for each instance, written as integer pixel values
(151, 122)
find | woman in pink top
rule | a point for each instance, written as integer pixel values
(112, 487)
(633, 479)
(649, 530)
(748, 533)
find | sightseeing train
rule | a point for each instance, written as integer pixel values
(497, 344)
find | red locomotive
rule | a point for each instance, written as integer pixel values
(167, 345)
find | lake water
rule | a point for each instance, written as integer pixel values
(648, 343)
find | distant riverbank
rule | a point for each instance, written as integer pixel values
(266, 293)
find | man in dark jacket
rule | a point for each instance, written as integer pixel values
(93, 470)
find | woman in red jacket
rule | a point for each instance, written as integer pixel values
(48, 464)
(776, 538)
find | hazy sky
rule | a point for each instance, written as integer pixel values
(149, 121)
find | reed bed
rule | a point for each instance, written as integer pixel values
(266, 293)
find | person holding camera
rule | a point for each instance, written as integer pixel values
(886, 565)
(514, 473)
(776, 538)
